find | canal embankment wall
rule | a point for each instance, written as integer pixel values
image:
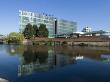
(71, 42)
(104, 44)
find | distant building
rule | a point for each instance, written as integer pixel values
(2, 36)
(87, 29)
(107, 34)
(54, 25)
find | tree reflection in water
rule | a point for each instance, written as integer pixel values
(41, 60)
(44, 58)
(33, 57)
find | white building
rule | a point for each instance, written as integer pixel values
(87, 29)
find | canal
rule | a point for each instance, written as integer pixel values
(19, 63)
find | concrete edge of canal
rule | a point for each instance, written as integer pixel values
(3, 80)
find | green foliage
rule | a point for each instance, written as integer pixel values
(36, 30)
(29, 31)
(15, 37)
(43, 31)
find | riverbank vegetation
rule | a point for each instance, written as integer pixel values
(14, 37)
(30, 32)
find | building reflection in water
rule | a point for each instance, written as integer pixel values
(106, 58)
(42, 61)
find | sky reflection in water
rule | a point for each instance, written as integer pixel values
(54, 64)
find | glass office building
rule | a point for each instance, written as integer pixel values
(54, 25)
(66, 27)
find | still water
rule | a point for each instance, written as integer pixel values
(54, 64)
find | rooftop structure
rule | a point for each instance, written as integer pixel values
(87, 29)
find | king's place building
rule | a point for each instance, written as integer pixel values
(54, 25)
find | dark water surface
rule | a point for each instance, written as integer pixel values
(54, 64)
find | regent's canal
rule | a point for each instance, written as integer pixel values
(54, 64)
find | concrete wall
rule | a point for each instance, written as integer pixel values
(27, 42)
(92, 43)
(72, 43)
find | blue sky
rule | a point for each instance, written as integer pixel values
(92, 13)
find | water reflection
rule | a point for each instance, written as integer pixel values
(106, 58)
(14, 49)
(35, 59)
(40, 60)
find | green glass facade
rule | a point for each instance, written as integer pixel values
(54, 26)
(66, 27)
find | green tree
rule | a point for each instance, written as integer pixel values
(36, 30)
(29, 31)
(43, 31)
(15, 37)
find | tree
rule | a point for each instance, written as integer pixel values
(15, 37)
(43, 31)
(29, 31)
(36, 30)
